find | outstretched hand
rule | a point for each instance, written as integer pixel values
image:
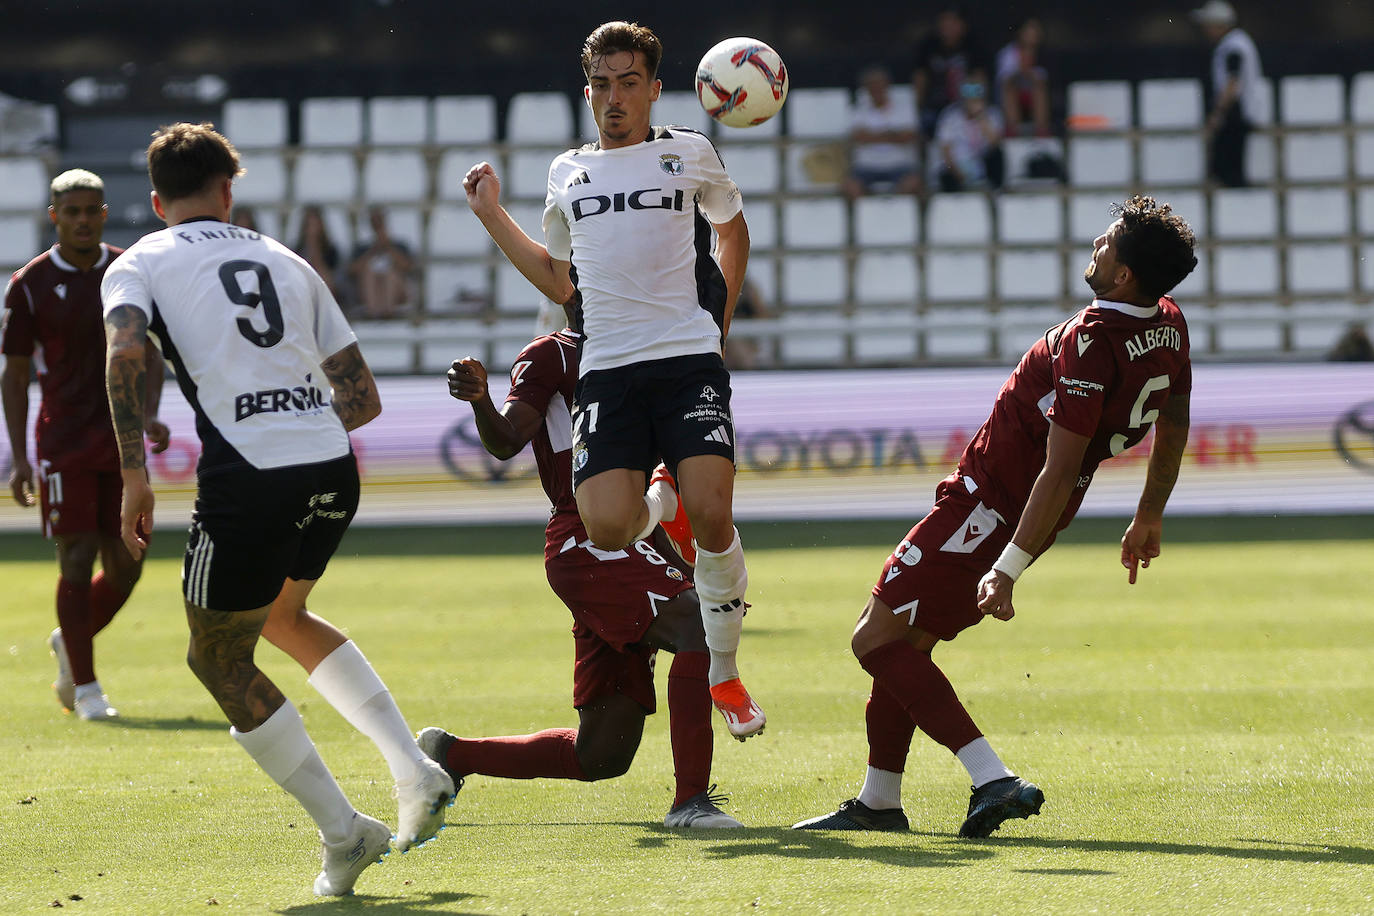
(136, 512)
(467, 379)
(21, 483)
(1140, 545)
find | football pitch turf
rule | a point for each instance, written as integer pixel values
(1205, 740)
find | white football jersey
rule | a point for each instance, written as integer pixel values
(246, 322)
(636, 224)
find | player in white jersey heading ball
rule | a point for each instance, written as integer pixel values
(628, 227)
(249, 326)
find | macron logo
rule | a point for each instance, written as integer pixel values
(1084, 341)
(719, 434)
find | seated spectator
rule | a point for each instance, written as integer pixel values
(883, 134)
(1023, 84)
(945, 60)
(743, 352)
(1353, 346)
(318, 249)
(968, 143)
(381, 271)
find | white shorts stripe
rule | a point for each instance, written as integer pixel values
(198, 573)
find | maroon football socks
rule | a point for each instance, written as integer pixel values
(923, 691)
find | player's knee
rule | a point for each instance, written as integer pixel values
(607, 534)
(605, 763)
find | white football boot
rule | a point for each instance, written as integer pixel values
(420, 805)
(64, 686)
(341, 863)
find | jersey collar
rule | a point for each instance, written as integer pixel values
(63, 264)
(1125, 308)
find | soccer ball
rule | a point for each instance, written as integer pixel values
(741, 82)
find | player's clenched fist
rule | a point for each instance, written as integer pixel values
(482, 185)
(467, 379)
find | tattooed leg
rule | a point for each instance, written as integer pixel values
(221, 656)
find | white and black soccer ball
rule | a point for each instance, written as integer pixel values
(741, 82)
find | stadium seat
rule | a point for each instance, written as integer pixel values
(886, 220)
(391, 176)
(682, 108)
(1193, 287)
(514, 294)
(24, 184)
(19, 240)
(1249, 328)
(815, 223)
(1096, 162)
(464, 119)
(324, 177)
(1090, 213)
(456, 288)
(763, 273)
(1318, 156)
(1245, 270)
(1307, 101)
(398, 121)
(1265, 99)
(816, 165)
(885, 278)
(263, 181)
(388, 345)
(812, 338)
(447, 339)
(1364, 210)
(956, 334)
(1019, 326)
(1245, 213)
(454, 164)
(1019, 153)
(1169, 104)
(256, 123)
(267, 219)
(1316, 212)
(1362, 98)
(539, 117)
(813, 281)
(885, 337)
(338, 225)
(1364, 154)
(1030, 276)
(816, 113)
(1188, 203)
(527, 174)
(1099, 105)
(404, 224)
(957, 276)
(753, 168)
(1260, 167)
(1029, 218)
(763, 226)
(1315, 326)
(331, 122)
(1174, 159)
(958, 219)
(508, 337)
(1367, 267)
(529, 216)
(1319, 268)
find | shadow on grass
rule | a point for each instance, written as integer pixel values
(149, 723)
(1262, 850)
(813, 844)
(431, 902)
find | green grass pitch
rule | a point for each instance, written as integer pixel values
(1205, 741)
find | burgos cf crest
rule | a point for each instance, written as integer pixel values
(672, 164)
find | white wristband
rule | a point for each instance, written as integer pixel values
(1013, 561)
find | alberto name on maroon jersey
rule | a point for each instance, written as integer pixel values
(1104, 374)
(543, 377)
(53, 316)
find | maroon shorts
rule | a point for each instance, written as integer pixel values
(79, 502)
(613, 596)
(932, 576)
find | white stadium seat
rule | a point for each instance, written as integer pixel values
(1194, 286)
(23, 184)
(763, 226)
(885, 336)
(957, 276)
(681, 107)
(267, 219)
(1174, 159)
(404, 224)
(19, 240)
(1019, 153)
(815, 165)
(1367, 267)
(447, 339)
(1090, 213)
(1260, 167)
(391, 176)
(1316, 212)
(813, 280)
(1314, 156)
(1364, 154)
(958, 219)
(398, 121)
(1019, 326)
(959, 333)
(1265, 98)
(815, 223)
(1188, 203)
(1362, 98)
(885, 278)
(1030, 276)
(1306, 101)
(527, 175)
(754, 169)
(1096, 162)
(812, 338)
(263, 181)
(1246, 270)
(1169, 104)
(1245, 213)
(454, 164)
(514, 294)
(323, 177)
(461, 288)
(1033, 218)
(1250, 328)
(1364, 210)
(337, 225)
(464, 119)
(539, 117)
(885, 220)
(388, 345)
(529, 216)
(331, 122)
(1320, 268)
(819, 112)
(1100, 105)
(256, 123)
(1315, 326)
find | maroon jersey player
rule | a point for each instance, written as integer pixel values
(1089, 389)
(626, 605)
(53, 319)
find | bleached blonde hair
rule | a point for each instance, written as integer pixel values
(76, 180)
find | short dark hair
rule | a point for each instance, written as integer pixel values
(183, 158)
(622, 36)
(1155, 243)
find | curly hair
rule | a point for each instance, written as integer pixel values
(183, 158)
(622, 36)
(1155, 243)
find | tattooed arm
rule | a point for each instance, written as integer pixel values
(356, 400)
(1142, 539)
(126, 339)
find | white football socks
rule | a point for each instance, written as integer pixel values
(982, 762)
(882, 789)
(721, 580)
(349, 683)
(661, 502)
(285, 752)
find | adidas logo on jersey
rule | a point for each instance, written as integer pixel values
(580, 178)
(719, 434)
